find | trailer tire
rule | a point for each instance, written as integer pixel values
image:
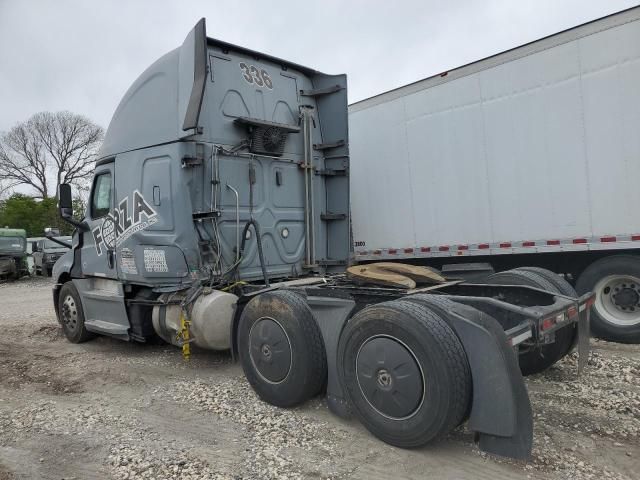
(71, 315)
(562, 286)
(537, 359)
(281, 348)
(435, 376)
(609, 320)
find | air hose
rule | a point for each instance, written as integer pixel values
(256, 229)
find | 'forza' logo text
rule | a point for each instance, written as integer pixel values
(121, 224)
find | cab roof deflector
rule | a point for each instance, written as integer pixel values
(197, 37)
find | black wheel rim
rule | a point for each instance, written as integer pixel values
(270, 350)
(69, 313)
(390, 377)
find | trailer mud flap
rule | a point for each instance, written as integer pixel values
(501, 411)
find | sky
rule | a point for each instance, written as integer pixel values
(83, 55)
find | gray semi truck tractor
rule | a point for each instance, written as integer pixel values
(219, 217)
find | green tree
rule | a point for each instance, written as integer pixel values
(23, 211)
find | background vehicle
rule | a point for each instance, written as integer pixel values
(13, 257)
(528, 157)
(45, 253)
(219, 217)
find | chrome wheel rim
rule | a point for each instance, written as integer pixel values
(69, 313)
(618, 300)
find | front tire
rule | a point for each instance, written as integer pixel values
(405, 372)
(281, 348)
(615, 280)
(71, 314)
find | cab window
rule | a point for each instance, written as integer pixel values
(101, 195)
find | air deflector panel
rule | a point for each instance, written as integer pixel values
(193, 61)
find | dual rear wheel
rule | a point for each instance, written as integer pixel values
(405, 372)
(281, 348)
(402, 367)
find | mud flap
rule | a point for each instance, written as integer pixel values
(501, 412)
(584, 333)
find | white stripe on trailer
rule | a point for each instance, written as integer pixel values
(610, 242)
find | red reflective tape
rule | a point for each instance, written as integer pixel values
(392, 251)
(483, 246)
(505, 245)
(444, 248)
(607, 239)
(553, 242)
(425, 249)
(635, 238)
(547, 323)
(377, 252)
(463, 247)
(408, 250)
(528, 244)
(579, 240)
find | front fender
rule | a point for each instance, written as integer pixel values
(62, 267)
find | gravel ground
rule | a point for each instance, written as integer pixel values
(109, 409)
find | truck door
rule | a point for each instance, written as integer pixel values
(98, 246)
(101, 293)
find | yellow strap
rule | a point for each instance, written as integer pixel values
(184, 334)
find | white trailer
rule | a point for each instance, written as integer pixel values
(531, 156)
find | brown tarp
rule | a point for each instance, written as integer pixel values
(394, 274)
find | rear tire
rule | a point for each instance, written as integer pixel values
(615, 280)
(538, 359)
(281, 348)
(562, 286)
(71, 314)
(405, 372)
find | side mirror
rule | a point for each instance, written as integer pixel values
(34, 247)
(65, 206)
(65, 202)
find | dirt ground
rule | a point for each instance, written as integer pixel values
(110, 409)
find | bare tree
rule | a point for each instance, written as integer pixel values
(6, 188)
(49, 149)
(22, 160)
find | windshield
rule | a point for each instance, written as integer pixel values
(51, 245)
(12, 244)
